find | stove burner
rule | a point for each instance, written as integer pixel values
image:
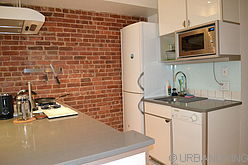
(45, 107)
(51, 105)
(56, 106)
(35, 108)
(43, 104)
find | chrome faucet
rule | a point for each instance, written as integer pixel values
(182, 91)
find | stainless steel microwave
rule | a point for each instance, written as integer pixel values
(198, 41)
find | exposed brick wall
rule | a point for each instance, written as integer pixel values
(86, 45)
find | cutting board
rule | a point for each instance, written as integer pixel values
(60, 112)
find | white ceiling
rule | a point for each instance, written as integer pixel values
(123, 7)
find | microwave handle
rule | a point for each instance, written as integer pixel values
(184, 23)
(188, 22)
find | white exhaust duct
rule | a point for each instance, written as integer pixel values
(17, 20)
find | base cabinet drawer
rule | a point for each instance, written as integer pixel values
(158, 110)
(159, 129)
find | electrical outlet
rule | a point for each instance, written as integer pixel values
(225, 86)
(225, 72)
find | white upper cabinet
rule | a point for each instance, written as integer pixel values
(230, 10)
(179, 14)
(202, 11)
(172, 15)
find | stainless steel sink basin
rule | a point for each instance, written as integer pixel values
(180, 99)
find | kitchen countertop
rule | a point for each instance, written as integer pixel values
(71, 140)
(207, 105)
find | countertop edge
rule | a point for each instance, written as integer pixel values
(111, 153)
(235, 103)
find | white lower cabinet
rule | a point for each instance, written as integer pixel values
(158, 126)
(211, 138)
(224, 137)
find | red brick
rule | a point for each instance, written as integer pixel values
(58, 15)
(66, 48)
(55, 29)
(35, 48)
(35, 38)
(73, 16)
(86, 45)
(43, 43)
(10, 42)
(51, 48)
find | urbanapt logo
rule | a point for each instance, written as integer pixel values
(197, 158)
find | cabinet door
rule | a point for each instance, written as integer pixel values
(159, 129)
(230, 9)
(172, 14)
(133, 118)
(202, 11)
(224, 135)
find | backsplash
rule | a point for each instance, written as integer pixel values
(86, 45)
(201, 79)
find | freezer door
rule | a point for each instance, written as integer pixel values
(132, 68)
(133, 118)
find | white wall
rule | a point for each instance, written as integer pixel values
(200, 76)
(244, 77)
(153, 18)
(200, 79)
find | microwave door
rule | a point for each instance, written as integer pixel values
(192, 43)
(196, 42)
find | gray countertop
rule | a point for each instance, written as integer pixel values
(71, 140)
(198, 106)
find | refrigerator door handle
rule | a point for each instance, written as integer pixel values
(138, 81)
(139, 105)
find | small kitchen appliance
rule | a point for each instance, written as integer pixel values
(213, 39)
(200, 41)
(6, 106)
(23, 107)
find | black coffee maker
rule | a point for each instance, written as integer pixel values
(6, 106)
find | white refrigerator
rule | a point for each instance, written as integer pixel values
(143, 75)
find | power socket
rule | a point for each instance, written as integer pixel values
(225, 86)
(225, 72)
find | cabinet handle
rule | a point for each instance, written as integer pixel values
(167, 121)
(184, 23)
(188, 23)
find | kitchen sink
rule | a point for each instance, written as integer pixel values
(180, 99)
